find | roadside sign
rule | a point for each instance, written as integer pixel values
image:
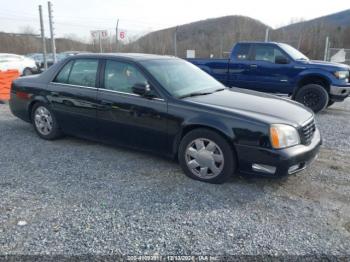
(190, 53)
(99, 34)
(122, 35)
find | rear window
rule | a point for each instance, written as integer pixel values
(242, 52)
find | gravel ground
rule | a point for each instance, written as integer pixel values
(78, 197)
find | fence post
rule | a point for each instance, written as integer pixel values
(325, 58)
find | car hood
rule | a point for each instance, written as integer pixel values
(336, 66)
(255, 105)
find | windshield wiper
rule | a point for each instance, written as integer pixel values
(202, 93)
(196, 94)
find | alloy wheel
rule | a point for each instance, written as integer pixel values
(204, 158)
(43, 120)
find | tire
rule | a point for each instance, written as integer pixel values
(27, 72)
(44, 122)
(313, 96)
(330, 103)
(204, 167)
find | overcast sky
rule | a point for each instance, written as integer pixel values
(78, 17)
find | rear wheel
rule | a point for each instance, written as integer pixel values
(313, 96)
(44, 122)
(206, 156)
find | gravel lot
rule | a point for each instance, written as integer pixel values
(80, 197)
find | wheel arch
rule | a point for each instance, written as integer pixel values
(38, 99)
(222, 130)
(317, 79)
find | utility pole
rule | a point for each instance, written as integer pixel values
(175, 41)
(100, 41)
(267, 35)
(299, 42)
(326, 49)
(116, 36)
(43, 35)
(53, 44)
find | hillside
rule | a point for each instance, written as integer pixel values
(310, 35)
(216, 36)
(211, 36)
(26, 43)
(208, 37)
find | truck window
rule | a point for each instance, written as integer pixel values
(266, 53)
(242, 52)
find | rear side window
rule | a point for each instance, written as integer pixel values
(243, 52)
(80, 72)
(63, 75)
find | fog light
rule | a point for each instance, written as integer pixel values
(293, 168)
(264, 168)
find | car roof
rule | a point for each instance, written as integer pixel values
(257, 42)
(129, 56)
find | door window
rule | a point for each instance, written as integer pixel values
(81, 72)
(84, 72)
(122, 77)
(266, 53)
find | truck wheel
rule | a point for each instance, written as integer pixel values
(313, 96)
(206, 156)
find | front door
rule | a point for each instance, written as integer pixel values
(266, 73)
(126, 118)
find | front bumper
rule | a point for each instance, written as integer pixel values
(282, 160)
(339, 93)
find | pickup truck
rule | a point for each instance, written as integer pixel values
(281, 69)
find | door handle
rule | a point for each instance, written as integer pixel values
(253, 66)
(55, 94)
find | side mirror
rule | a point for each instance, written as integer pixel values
(141, 89)
(281, 60)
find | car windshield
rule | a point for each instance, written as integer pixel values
(181, 78)
(294, 53)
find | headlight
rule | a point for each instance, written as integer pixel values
(282, 136)
(341, 74)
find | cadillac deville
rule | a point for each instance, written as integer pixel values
(168, 106)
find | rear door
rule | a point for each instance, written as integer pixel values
(240, 66)
(126, 118)
(73, 94)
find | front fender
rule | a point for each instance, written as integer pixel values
(316, 73)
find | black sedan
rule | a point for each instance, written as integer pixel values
(168, 106)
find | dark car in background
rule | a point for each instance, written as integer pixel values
(39, 58)
(170, 107)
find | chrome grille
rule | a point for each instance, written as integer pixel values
(308, 131)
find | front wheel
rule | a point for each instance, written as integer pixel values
(27, 72)
(206, 156)
(330, 103)
(44, 122)
(313, 96)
